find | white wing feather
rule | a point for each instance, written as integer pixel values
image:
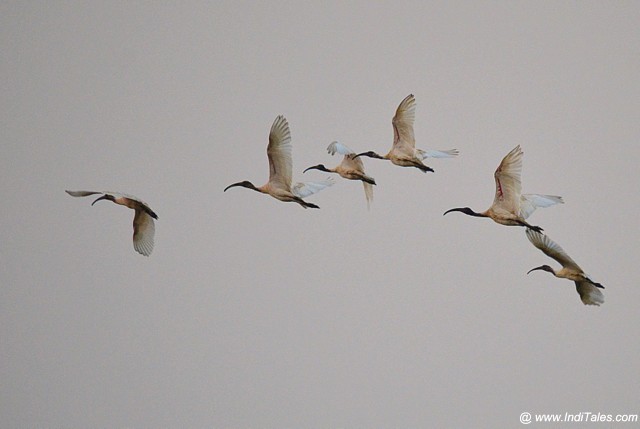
(336, 147)
(508, 184)
(279, 154)
(143, 233)
(530, 202)
(404, 138)
(368, 193)
(304, 189)
(431, 153)
(589, 294)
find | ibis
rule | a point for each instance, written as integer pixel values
(351, 168)
(404, 152)
(588, 290)
(279, 185)
(510, 207)
(143, 225)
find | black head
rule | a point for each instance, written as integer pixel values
(543, 268)
(370, 154)
(465, 210)
(244, 184)
(105, 197)
(320, 167)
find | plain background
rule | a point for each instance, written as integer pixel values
(252, 313)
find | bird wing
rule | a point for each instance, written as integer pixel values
(530, 202)
(279, 153)
(336, 147)
(143, 232)
(368, 193)
(304, 189)
(115, 194)
(404, 139)
(551, 249)
(589, 294)
(348, 161)
(431, 153)
(508, 185)
(83, 193)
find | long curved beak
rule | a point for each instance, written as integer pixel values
(232, 185)
(104, 197)
(452, 210)
(315, 167)
(244, 184)
(537, 268)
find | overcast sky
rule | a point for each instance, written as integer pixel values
(253, 313)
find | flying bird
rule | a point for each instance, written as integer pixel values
(143, 225)
(404, 152)
(511, 207)
(588, 290)
(351, 168)
(279, 185)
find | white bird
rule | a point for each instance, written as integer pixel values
(404, 152)
(351, 168)
(143, 225)
(511, 207)
(588, 290)
(279, 185)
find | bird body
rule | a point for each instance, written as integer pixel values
(510, 207)
(403, 152)
(279, 186)
(588, 290)
(350, 168)
(143, 224)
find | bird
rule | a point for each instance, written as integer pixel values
(279, 185)
(143, 225)
(404, 152)
(588, 290)
(351, 168)
(510, 207)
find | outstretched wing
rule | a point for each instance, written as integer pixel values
(349, 161)
(530, 202)
(551, 249)
(508, 185)
(304, 189)
(589, 294)
(83, 193)
(143, 232)
(336, 147)
(368, 193)
(279, 154)
(404, 139)
(120, 195)
(431, 153)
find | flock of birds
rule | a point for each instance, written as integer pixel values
(510, 206)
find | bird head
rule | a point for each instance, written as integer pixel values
(105, 197)
(370, 154)
(244, 184)
(320, 167)
(543, 268)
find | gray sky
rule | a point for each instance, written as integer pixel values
(252, 313)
